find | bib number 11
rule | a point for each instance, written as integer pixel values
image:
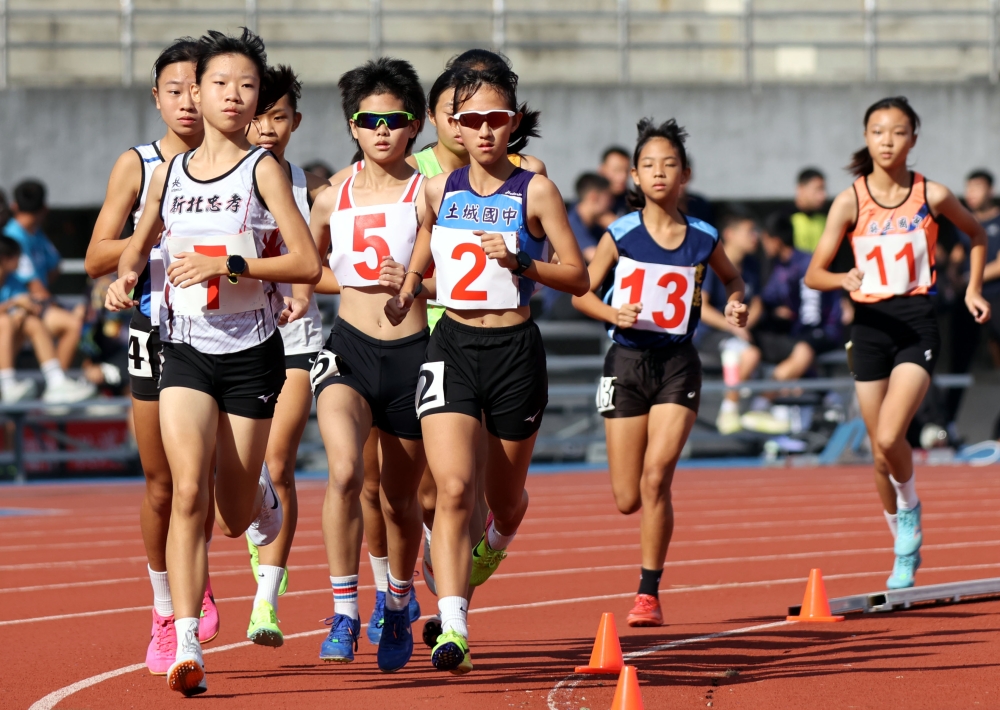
(893, 263)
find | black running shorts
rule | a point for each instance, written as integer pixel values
(888, 333)
(498, 374)
(302, 361)
(143, 358)
(384, 372)
(244, 383)
(635, 381)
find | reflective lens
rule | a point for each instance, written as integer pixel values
(475, 119)
(393, 120)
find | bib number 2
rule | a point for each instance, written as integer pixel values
(430, 387)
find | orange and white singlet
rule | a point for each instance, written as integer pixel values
(894, 246)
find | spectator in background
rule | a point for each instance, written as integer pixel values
(801, 322)
(809, 217)
(615, 167)
(39, 265)
(19, 317)
(319, 169)
(593, 200)
(4, 208)
(740, 238)
(695, 205)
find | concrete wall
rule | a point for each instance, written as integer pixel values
(745, 143)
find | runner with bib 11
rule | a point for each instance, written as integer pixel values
(890, 215)
(488, 226)
(651, 388)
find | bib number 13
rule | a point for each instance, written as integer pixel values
(665, 292)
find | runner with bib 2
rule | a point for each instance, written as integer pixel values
(651, 388)
(487, 226)
(366, 374)
(890, 215)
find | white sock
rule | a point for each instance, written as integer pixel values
(496, 540)
(906, 493)
(345, 595)
(53, 373)
(427, 534)
(8, 377)
(891, 519)
(161, 592)
(454, 615)
(729, 407)
(187, 634)
(268, 581)
(380, 568)
(398, 596)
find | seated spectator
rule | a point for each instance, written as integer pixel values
(739, 235)
(809, 216)
(39, 265)
(319, 169)
(19, 317)
(800, 322)
(593, 200)
(104, 344)
(616, 167)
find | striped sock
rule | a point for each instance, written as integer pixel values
(399, 594)
(345, 595)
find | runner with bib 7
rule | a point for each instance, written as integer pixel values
(651, 388)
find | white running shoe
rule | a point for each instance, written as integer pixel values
(69, 391)
(18, 390)
(266, 527)
(187, 674)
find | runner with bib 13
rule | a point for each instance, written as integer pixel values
(890, 217)
(651, 388)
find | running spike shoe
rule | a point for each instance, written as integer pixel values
(396, 644)
(187, 673)
(255, 561)
(342, 641)
(909, 534)
(208, 623)
(374, 630)
(263, 629)
(904, 571)
(432, 629)
(162, 645)
(451, 653)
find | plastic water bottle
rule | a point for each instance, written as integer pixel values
(732, 349)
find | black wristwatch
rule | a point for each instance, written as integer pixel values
(524, 263)
(235, 265)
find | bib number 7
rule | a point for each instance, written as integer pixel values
(666, 293)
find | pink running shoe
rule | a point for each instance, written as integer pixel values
(162, 646)
(208, 625)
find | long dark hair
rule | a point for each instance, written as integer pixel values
(184, 49)
(490, 67)
(648, 130)
(861, 161)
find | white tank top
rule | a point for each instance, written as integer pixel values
(150, 286)
(306, 334)
(216, 211)
(150, 157)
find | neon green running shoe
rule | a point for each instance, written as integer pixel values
(255, 560)
(485, 559)
(452, 653)
(263, 629)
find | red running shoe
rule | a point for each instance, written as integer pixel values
(646, 611)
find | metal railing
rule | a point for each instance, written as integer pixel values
(499, 17)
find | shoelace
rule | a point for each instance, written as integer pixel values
(646, 604)
(331, 620)
(164, 640)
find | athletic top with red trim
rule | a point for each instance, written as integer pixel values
(224, 206)
(894, 246)
(357, 229)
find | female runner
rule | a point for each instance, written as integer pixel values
(890, 216)
(485, 361)
(302, 339)
(651, 388)
(223, 364)
(173, 75)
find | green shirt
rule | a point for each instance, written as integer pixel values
(427, 163)
(808, 228)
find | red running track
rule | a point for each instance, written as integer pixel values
(74, 603)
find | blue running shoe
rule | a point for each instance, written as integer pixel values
(904, 571)
(414, 606)
(342, 641)
(396, 645)
(909, 534)
(376, 621)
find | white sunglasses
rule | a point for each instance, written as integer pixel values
(496, 118)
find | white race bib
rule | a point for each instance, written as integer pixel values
(157, 277)
(216, 296)
(138, 354)
(893, 264)
(361, 237)
(466, 278)
(665, 292)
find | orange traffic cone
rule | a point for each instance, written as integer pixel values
(607, 654)
(815, 605)
(627, 693)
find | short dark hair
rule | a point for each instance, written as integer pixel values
(615, 150)
(9, 249)
(590, 182)
(282, 82)
(29, 196)
(648, 129)
(808, 175)
(779, 225)
(981, 174)
(384, 75)
(734, 216)
(214, 44)
(316, 166)
(184, 49)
